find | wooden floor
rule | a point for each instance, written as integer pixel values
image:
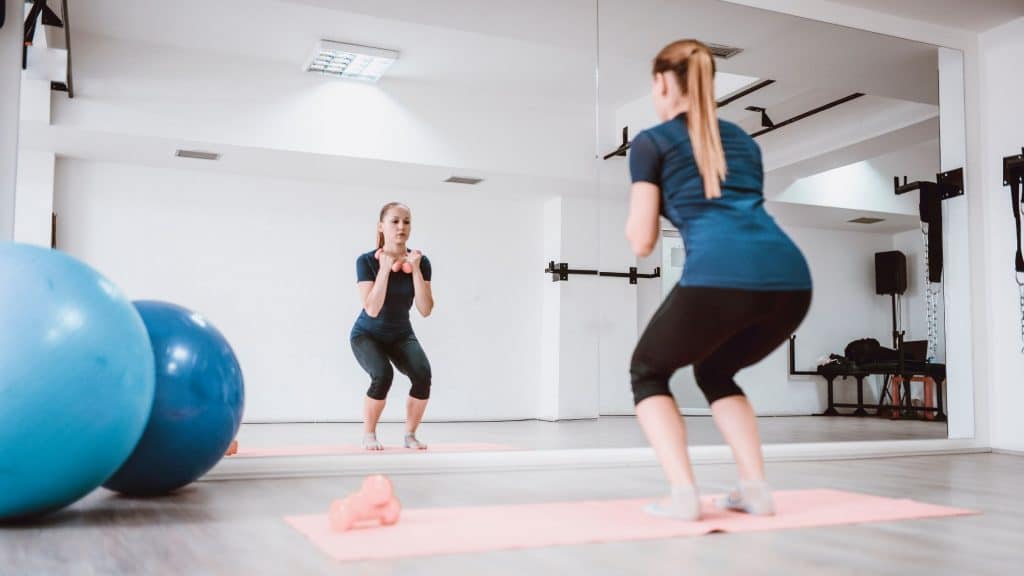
(236, 527)
(605, 432)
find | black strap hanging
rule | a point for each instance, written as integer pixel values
(930, 206)
(1013, 176)
(1015, 185)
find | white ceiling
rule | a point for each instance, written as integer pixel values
(832, 218)
(976, 15)
(800, 55)
(459, 39)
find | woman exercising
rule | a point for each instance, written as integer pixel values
(392, 278)
(745, 285)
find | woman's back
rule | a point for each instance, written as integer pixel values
(730, 241)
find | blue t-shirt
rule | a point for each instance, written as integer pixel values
(393, 320)
(730, 242)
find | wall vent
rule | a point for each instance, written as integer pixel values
(197, 154)
(724, 52)
(464, 180)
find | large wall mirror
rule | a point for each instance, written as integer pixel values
(202, 161)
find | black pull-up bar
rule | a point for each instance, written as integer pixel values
(560, 273)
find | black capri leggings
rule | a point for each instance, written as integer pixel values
(376, 357)
(718, 330)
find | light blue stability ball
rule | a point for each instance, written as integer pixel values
(76, 380)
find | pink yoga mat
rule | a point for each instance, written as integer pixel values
(427, 532)
(336, 449)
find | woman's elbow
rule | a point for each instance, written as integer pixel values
(642, 247)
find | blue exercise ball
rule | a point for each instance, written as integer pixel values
(198, 406)
(76, 380)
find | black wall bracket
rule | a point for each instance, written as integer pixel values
(621, 150)
(792, 361)
(560, 273)
(1013, 168)
(947, 184)
(40, 9)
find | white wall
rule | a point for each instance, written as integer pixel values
(34, 206)
(10, 80)
(957, 263)
(580, 309)
(617, 306)
(271, 263)
(571, 311)
(1001, 134)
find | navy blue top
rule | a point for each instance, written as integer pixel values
(730, 242)
(393, 319)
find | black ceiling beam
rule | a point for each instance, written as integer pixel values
(808, 114)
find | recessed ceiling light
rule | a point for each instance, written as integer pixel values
(866, 220)
(350, 60)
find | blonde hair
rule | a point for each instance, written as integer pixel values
(383, 213)
(694, 67)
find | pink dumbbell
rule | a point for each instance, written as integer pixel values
(400, 264)
(375, 501)
(232, 448)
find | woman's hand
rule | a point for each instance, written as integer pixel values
(387, 261)
(414, 258)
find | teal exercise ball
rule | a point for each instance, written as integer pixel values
(76, 380)
(200, 396)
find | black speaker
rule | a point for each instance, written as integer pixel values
(890, 272)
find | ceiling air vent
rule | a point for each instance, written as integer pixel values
(464, 180)
(197, 154)
(866, 220)
(724, 52)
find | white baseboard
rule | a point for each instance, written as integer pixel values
(398, 420)
(1006, 452)
(707, 412)
(249, 468)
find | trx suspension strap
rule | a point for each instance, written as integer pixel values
(931, 194)
(1013, 176)
(930, 208)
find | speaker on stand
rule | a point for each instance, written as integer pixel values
(891, 279)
